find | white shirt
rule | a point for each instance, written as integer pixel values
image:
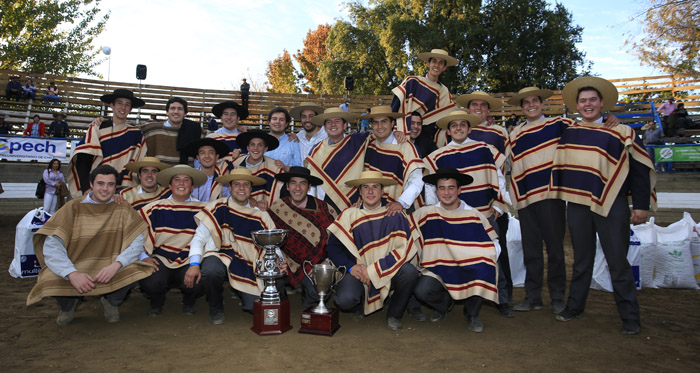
(413, 186)
(305, 145)
(203, 242)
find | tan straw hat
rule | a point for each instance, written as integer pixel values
(438, 53)
(527, 92)
(240, 174)
(198, 177)
(296, 111)
(146, 162)
(334, 112)
(444, 122)
(381, 111)
(605, 87)
(464, 100)
(371, 177)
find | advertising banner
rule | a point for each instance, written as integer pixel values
(677, 153)
(33, 149)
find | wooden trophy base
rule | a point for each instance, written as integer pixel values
(271, 319)
(319, 323)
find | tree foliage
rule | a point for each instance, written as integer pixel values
(310, 57)
(48, 36)
(672, 36)
(281, 74)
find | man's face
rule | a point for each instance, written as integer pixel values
(181, 186)
(416, 126)
(121, 107)
(371, 194)
(298, 188)
(176, 113)
(240, 191)
(278, 123)
(448, 193)
(382, 127)
(256, 149)
(589, 105)
(207, 156)
(532, 107)
(229, 118)
(436, 66)
(147, 177)
(103, 188)
(306, 116)
(459, 130)
(479, 108)
(335, 127)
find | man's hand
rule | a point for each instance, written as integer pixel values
(281, 165)
(393, 208)
(293, 137)
(495, 213)
(235, 153)
(192, 276)
(400, 137)
(153, 262)
(611, 121)
(242, 128)
(97, 121)
(284, 267)
(106, 274)
(118, 199)
(82, 282)
(639, 216)
(359, 271)
(262, 205)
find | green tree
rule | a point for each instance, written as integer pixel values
(46, 36)
(672, 36)
(315, 51)
(282, 75)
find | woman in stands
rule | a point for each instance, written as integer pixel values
(52, 177)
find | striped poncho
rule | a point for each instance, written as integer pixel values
(394, 162)
(162, 142)
(418, 93)
(458, 248)
(230, 140)
(267, 170)
(382, 243)
(494, 135)
(138, 200)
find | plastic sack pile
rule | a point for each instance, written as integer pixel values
(25, 263)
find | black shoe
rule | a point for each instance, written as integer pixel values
(528, 305)
(630, 327)
(475, 324)
(506, 310)
(417, 314)
(155, 311)
(558, 306)
(217, 317)
(568, 314)
(393, 323)
(189, 310)
(438, 316)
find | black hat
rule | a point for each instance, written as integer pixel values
(220, 147)
(244, 138)
(218, 109)
(448, 173)
(122, 93)
(60, 113)
(302, 172)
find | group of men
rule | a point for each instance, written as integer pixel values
(416, 210)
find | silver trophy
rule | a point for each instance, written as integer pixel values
(268, 268)
(323, 280)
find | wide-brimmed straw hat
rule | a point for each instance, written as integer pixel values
(371, 177)
(295, 112)
(444, 122)
(243, 139)
(220, 147)
(302, 172)
(123, 93)
(464, 100)
(198, 177)
(333, 112)
(438, 53)
(448, 173)
(241, 111)
(605, 87)
(527, 92)
(240, 174)
(146, 162)
(381, 111)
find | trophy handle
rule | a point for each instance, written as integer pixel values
(345, 272)
(303, 268)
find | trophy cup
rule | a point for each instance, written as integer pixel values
(270, 314)
(320, 319)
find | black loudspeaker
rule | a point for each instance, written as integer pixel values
(140, 72)
(349, 83)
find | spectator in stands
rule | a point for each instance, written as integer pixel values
(345, 106)
(679, 121)
(35, 128)
(364, 123)
(213, 124)
(652, 136)
(4, 126)
(511, 122)
(52, 177)
(14, 89)
(51, 94)
(59, 127)
(29, 90)
(667, 108)
(245, 93)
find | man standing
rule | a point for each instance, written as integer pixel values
(373, 269)
(147, 190)
(286, 154)
(594, 170)
(311, 134)
(90, 247)
(459, 251)
(666, 109)
(209, 153)
(423, 144)
(171, 226)
(258, 143)
(59, 127)
(108, 141)
(245, 93)
(230, 113)
(306, 218)
(168, 140)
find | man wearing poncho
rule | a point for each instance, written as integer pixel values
(257, 143)
(147, 190)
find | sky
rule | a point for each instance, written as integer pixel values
(215, 43)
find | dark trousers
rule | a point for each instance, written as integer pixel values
(544, 221)
(164, 279)
(505, 280)
(614, 233)
(350, 292)
(310, 295)
(431, 292)
(114, 298)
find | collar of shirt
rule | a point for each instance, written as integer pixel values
(333, 143)
(190, 199)
(364, 208)
(528, 121)
(462, 143)
(88, 199)
(462, 206)
(225, 130)
(390, 140)
(248, 165)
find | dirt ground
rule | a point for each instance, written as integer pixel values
(532, 341)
